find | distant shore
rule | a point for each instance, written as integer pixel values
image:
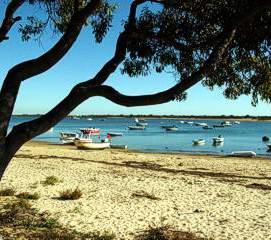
(125, 192)
(200, 117)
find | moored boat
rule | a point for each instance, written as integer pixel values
(201, 124)
(243, 154)
(81, 144)
(218, 126)
(226, 123)
(136, 127)
(115, 134)
(218, 140)
(199, 141)
(67, 137)
(172, 129)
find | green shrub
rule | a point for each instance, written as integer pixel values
(28, 196)
(51, 180)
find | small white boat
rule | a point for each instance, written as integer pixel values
(236, 122)
(218, 140)
(115, 134)
(201, 124)
(84, 144)
(182, 122)
(226, 123)
(190, 123)
(136, 127)
(118, 146)
(172, 129)
(89, 119)
(67, 137)
(243, 154)
(199, 141)
(76, 118)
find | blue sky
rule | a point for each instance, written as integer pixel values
(41, 93)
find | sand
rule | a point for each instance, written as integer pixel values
(206, 195)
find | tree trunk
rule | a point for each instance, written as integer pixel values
(7, 152)
(3, 161)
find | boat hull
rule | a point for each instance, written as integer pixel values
(92, 145)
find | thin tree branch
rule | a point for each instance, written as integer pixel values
(9, 20)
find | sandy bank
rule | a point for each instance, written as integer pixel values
(207, 195)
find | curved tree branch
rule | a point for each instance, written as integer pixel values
(9, 20)
(39, 65)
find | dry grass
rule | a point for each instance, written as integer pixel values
(166, 233)
(143, 194)
(51, 180)
(28, 196)
(71, 194)
(7, 192)
(18, 220)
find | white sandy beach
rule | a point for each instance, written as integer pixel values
(206, 195)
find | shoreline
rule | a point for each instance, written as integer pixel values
(150, 151)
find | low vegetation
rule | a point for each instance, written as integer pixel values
(18, 220)
(7, 192)
(51, 180)
(167, 233)
(28, 196)
(71, 194)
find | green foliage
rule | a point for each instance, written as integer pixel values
(59, 15)
(33, 28)
(181, 35)
(101, 21)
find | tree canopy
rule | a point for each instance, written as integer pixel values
(219, 43)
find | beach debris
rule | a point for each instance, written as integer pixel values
(143, 194)
(147, 165)
(166, 233)
(259, 186)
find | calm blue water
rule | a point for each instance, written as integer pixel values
(246, 136)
